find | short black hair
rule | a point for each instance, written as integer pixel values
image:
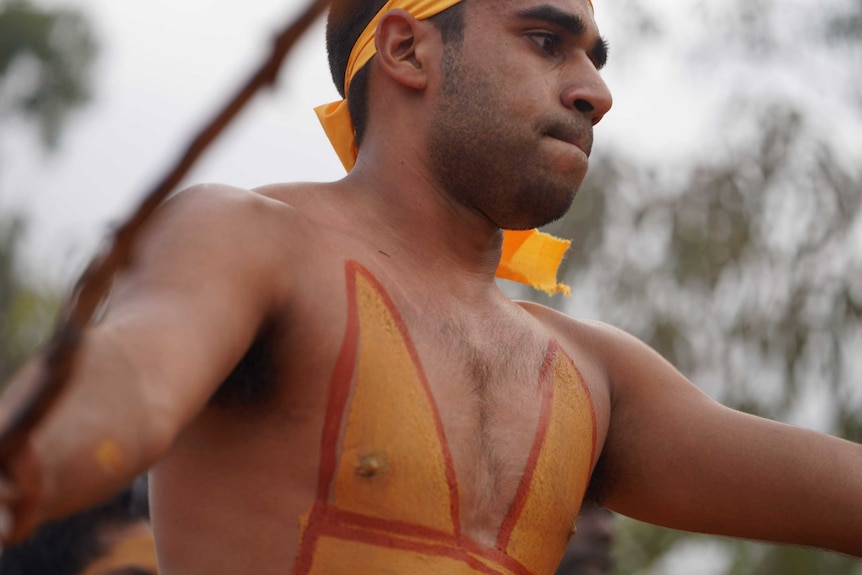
(347, 19)
(67, 546)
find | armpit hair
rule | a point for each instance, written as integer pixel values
(255, 378)
(600, 480)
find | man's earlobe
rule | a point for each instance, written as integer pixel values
(399, 48)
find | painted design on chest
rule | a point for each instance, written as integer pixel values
(388, 498)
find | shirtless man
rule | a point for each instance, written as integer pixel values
(325, 378)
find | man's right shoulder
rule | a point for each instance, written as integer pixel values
(219, 208)
(237, 226)
(231, 198)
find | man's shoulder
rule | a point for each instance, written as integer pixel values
(222, 196)
(219, 208)
(591, 335)
(216, 222)
(301, 196)
(555, 320)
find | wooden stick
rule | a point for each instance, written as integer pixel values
(93, 285)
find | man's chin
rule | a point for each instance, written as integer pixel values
(549, 211)
(532, 223)
(536, 201)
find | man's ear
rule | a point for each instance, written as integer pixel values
(404, 45)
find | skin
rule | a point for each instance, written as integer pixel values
(219, 266)
(491, 151)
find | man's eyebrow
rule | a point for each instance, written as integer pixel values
(572, 24)
(553, 15)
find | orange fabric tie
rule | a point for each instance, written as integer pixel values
(530, 257)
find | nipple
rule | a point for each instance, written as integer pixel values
(371, 465)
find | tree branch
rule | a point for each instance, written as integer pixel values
(93, 285)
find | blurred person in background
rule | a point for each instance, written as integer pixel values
(113, 538)
(589, 551)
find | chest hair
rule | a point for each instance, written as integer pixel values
(495, 367)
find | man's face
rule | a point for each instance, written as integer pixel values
(512, 129)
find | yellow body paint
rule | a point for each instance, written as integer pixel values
(109, 457)
(388, 496)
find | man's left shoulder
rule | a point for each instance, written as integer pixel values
(588, 344)
(563, 326)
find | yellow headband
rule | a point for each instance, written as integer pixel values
(335, 117)
(530, 257)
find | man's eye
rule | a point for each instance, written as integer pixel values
(547, 41)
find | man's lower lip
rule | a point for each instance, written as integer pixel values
(569, 144)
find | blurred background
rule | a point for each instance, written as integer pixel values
(720, 221)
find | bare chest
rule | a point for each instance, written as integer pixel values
(443, 423)
(404, 433)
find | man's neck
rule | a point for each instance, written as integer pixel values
(410, 214)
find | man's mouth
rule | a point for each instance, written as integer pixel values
(571, 135)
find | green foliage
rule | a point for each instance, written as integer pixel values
(45, 58)
(848, 25)
(639, 547)
(766, 560)
(643, 549)
(26, 310)
(751, 252)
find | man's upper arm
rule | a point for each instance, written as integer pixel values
(676, 458)
(200, 285)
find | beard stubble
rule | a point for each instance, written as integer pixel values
(487, 156)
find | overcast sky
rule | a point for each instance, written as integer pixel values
(165, 66)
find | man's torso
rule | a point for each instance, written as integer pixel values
(373, 372)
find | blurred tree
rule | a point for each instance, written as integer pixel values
(45, 56)
(26, 310)
(741, 265)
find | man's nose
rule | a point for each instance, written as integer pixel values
(588, 94)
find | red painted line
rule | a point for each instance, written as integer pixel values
(451, 479)
(307, 546)
(589, 395)
(546, 389)
(352, 527)
(359, 521)
(325, 520)
(349, 518)
(339, 391)
(500, 557)
(390, 541)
